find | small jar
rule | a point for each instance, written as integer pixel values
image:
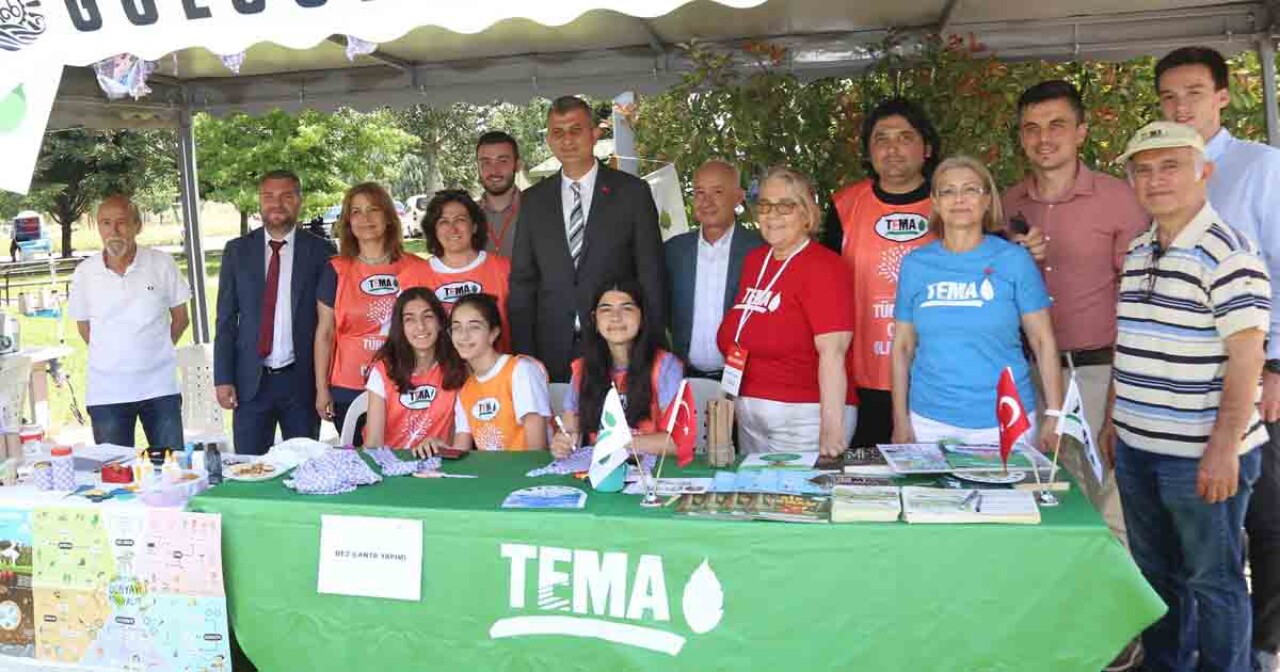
(64, 469)
(42, 475)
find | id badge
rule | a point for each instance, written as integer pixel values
(734, 365)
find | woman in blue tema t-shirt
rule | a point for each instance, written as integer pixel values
(963, 302)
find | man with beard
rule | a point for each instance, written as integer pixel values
(129, 304)
(498, 160)
(1087, 220)
(873, 224)
(264, 347)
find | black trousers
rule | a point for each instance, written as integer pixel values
(1262, 523)
(875, 418)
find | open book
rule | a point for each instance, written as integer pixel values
(944, 505)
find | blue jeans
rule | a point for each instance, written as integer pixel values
(1192, 554)
(161, 422)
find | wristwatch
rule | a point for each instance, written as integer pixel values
(1272, 366)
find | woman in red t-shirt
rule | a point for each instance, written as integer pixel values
(792, 324)
(457, 232)
(414, 382)
(357, 291)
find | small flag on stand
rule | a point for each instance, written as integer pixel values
(1073, 424)
(1011, 415)
(681, 421)
(612, 439)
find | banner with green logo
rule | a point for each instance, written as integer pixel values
(616, 586)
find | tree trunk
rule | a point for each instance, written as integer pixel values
(65, 216)
(244, 222)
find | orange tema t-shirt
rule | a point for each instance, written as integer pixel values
(424, 411)
(489, 407)
(488, 274)
(362, 310)
(877, 235)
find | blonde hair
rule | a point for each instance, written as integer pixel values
(392, 237)
(801, 189)
(992, 219)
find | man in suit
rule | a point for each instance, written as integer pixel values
(584, 226)
(264, 362)
(703, 267)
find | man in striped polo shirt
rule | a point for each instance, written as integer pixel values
(1183, 429)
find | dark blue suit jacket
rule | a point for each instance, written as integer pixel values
(682, 274)
(241, 285)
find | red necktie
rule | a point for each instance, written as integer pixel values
(267, 329)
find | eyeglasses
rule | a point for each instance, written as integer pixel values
(968, 191)
(1153, 271)
(781, 207)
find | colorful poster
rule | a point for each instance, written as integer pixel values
(132, 589)
(17, 603)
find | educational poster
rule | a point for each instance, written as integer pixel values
(131, 589)
(17, 602)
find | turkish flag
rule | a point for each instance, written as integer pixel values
(681, 422)
(1010, 413)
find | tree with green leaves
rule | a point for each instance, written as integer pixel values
(78, 167)
(329, 152)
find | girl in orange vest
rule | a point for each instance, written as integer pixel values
(619, 351)
(413, 385)
(505, 403)
(356, 295)
(457, 232)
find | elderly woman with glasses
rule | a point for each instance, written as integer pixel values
(786, 338)
(963, 303)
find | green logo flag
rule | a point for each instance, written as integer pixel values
(1073, 424)
(612, 440)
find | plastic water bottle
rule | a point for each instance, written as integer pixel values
(64, 469)
(213, 463)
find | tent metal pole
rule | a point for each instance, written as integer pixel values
(193, 246)
(1267, 54)
(624, 137)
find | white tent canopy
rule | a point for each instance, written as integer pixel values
(438, 52)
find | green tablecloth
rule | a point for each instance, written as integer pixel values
(1062, 595)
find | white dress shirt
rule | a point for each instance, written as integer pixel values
(712, 273)
(587, 189)
(282, 335)
(131, 354)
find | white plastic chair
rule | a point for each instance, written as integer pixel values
(558, 390)
(359, 406)
(704, 390)
(203, 420)
(15, 372)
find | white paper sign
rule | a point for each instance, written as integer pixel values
(370, 557)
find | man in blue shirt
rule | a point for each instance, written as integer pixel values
(1245, 191)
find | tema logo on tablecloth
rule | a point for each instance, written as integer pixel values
(20, 23)
(595, 591)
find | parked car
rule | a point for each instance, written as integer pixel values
(330, 218)
(29, 236)
(408, 223)
(418, 208)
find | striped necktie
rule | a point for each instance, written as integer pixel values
(577, 224)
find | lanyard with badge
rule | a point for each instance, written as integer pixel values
(735, 362)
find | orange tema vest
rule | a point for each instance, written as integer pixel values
(490, 277)
(877, 235)
(362, 312)
(649, 424)
(490, 409)
(425, 411)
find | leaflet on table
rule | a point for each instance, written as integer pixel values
(769, 481)
(667, 487)
(943, 505)
(756, 506)
(915, 458)
(782, 460)
(859, 503)
(987, 458)
(123, 588)
(546, 497)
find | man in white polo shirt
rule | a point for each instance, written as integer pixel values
(129, 304)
